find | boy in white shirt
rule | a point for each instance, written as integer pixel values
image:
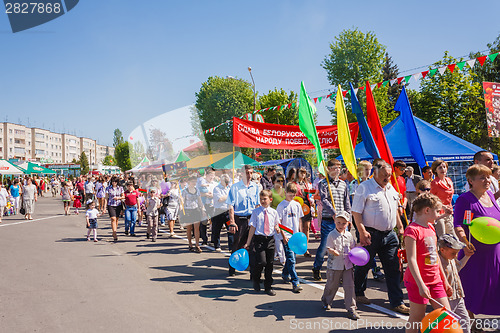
(339, 266)
(264, 223)
(290, 213)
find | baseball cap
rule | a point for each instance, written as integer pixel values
(343, 214)
(409, 168)
(451, 241)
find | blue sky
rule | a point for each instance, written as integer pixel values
(118, 63)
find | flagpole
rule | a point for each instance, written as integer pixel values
(328, 182)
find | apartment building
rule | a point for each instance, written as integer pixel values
(36, 144)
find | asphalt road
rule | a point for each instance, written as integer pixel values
(53, 280)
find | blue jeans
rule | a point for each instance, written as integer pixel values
(289, 268)
(130, 218)
(327, 225)
(386, 245)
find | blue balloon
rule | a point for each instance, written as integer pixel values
(298, 243)
(239, 260)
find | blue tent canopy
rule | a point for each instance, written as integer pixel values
(289, 163)
(437, 144)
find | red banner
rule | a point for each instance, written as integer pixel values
(492, 103)
(272, 136)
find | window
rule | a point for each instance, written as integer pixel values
(40, 136)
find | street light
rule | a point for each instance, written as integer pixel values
(254, 95)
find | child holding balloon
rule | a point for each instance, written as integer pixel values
(339, 266)
(424, 278)
(290, 214)
(263, 224)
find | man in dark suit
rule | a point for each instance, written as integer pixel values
(411, 185)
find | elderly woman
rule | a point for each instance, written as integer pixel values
(29, 196)
(481, 274)
(442, 187)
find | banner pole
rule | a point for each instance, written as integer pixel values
(328, 182)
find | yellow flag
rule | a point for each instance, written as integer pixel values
(344, 136)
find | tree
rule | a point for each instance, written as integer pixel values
(74, 161)
(108, 160)
(355, 57)
(219, 100)
(160, 147)
(84, 164)
(122, 156)
(490, 71)
(137, 153)
(284, 116)
(117, 137)
(454, 102)
(391, 71)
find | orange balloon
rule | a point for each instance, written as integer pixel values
(440, 321)
(306, 209)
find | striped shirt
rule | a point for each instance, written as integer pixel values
(340, 195)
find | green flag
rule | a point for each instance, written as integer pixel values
(307, 126)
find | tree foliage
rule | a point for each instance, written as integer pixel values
(218, 100)
(117, 137)
(84, 164)
(391, 71)
(108, 160)
(355, 57)
(454, 102)
(160, 147)
(122, 156)
(277, 97)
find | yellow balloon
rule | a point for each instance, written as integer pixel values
(299, 200)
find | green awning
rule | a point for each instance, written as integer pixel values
(29, 168)
(239, 161)
(182, 157)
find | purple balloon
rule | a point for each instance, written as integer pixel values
(164, 187)
(359, 256)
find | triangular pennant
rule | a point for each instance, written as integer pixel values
(279, 107)
(393, 81)
(432, 72)
(348, 93)
(400, 79)
(293, 105)
(451, 67)
(461, 65)
(362, 88)
(416, 76)
(481, 60)
(493, 56)
(385, 83)
(407, 78)
(315, 99)
(356, 91)
(424, 74)
(344, 93)
(442, 70)
(290, 105)
(373, 86)
(471, 62)
(320, 98)
(379, 84)
(329, 95)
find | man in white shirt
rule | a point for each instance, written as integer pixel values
(375, 211)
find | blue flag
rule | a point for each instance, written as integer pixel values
(366, 134)
(412, 137)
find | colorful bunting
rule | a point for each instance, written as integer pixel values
(391, 82)
(481, 60)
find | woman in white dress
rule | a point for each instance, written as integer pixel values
(29, 198)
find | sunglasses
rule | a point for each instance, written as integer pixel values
(280, 181)
(425, 189)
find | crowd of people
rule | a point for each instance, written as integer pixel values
(386, 209)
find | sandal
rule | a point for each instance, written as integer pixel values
(191, 248)
(198, 249)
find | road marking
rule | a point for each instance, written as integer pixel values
(309, 283)
(29, 221)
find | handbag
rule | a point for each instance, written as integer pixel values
(22, 211)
